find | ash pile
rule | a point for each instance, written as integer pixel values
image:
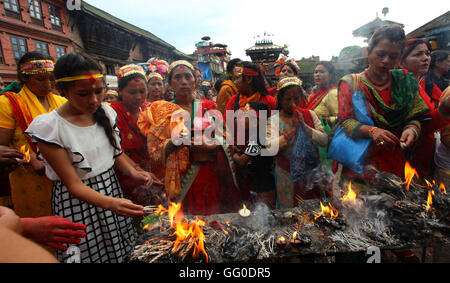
(390, 215)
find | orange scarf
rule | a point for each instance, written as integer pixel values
(155, 124)
(243, 100)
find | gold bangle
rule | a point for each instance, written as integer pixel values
(371, 132)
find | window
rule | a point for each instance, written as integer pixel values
(55, 17)
(2, 59)
(35, 9)
(19, 46)
(12, 9)
(42, 47)
(11, 5)
(60, 51)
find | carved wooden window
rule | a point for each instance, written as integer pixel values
(2, 59)
(42, 47)
(12, 9)
(55, 17)
(19, 46)
(60, 51)
(35, 12)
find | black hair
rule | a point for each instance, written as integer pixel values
(283, 91)
(73, 64)
(269, 81)
(438, 56)
(331, 71)
(170, 75)
(34, 55)
(232, 64)
(391, 32)
(411, 44)
(123, 82)
(218, 85)
(258, 82)
(292, 66)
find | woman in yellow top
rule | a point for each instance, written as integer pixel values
(30, 189)
(324, 102)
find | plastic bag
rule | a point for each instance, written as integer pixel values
(350, 152)
(304, 156)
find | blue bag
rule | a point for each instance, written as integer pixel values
(350, 152)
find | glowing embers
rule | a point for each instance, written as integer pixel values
(410, 172)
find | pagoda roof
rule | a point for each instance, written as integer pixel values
(442, 20)
(368, 29)
(261, 46)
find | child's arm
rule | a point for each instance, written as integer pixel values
(59, 160)
(128, 167)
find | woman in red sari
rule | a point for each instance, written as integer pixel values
(416, 59)
(132, 101)
(198, 176)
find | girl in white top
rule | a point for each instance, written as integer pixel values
(80, 144)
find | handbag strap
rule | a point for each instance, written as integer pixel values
(356, 81)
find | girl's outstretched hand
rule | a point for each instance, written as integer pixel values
(126, 207)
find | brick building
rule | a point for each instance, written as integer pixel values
(29, 25)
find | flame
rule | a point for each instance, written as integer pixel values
(430, 199)
(294, 236)
(442, 189)
(351, 195)
(410, 172)
(333, 212)
(26, 153)
(245, 207)
(228, 223)
(171, 211)
(185, 231)
(282, 239)
(429, 184)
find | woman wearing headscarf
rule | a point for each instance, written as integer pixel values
(31, 190)
(201, 177)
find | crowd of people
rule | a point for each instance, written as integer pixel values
(99, 155)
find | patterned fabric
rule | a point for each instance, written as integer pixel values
(134, 145)
(155, 124)
(390, 108)
(31, 193)
(316, 98)
(110, 238)
(384, 111)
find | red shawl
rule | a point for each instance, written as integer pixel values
(317, 97)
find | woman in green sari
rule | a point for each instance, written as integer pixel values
(393, 103)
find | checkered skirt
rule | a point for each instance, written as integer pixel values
(110, 238)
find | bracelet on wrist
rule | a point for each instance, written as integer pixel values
(372, 129)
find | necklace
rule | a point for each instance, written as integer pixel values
(193, 111)
(378, 86)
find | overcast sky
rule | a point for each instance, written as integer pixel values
(314, 27)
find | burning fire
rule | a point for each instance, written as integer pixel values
(333, 212)
(294, 236)
(410, 172)
(430, 199)
(351, 195)
(442, 189)
(282, 239)
(26, 153)
(185, 231)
